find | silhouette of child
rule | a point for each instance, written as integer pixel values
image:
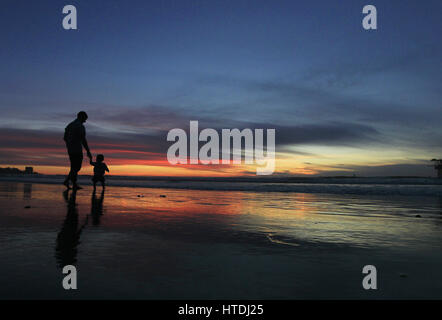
(99, 170)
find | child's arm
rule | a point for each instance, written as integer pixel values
(107, 169)
(92, 163)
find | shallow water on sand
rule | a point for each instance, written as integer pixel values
(190, 244)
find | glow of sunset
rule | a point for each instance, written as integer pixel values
(329, 160)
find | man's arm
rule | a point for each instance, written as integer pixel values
(84, 142)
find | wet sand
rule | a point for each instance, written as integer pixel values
(146, 243)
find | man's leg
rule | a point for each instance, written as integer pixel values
(76, 160)
(68, 177)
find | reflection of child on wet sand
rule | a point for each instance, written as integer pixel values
(99, 170)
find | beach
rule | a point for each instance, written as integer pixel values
(133, 242)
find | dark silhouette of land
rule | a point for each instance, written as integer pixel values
(16, 171)
(438, 167)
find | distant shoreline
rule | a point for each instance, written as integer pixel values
(258, 179)
(343, 186)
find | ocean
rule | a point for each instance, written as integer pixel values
(198, 239)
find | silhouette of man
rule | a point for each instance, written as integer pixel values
(75, 138)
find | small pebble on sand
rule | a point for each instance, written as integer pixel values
(162, 196)
(27, 207)
(418, 216)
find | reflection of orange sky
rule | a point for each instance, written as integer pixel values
(174, 203)
(279, 218)
(283, 206)
(249, 207)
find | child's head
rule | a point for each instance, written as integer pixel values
(100, 158)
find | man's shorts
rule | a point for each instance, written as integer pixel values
(76, 159)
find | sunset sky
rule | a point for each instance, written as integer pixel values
(343, 100)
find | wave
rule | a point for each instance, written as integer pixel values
(357, 186)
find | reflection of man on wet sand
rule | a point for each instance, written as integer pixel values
(75, 138)
(68, 238)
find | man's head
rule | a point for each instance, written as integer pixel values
(82, 116)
